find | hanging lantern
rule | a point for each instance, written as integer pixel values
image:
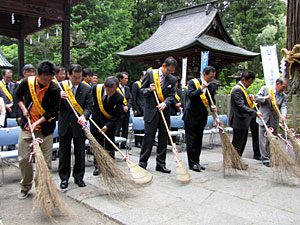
(56, 32)
(12, 18)
(30, 41)
(47, 36)
(39, 38)
(39, 21)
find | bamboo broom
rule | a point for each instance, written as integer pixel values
(116, 180)
(182, 175)
(231, 158)
(46, 193)
(280, 160)
(139, 174)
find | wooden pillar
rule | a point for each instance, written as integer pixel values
(66, 27)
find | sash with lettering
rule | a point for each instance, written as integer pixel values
(100, 102)
(71, 97)
(249, 101)
(124, 99)
(31, 85)
(274, 103)
(6, 92)
(202, 96)
(157, 86)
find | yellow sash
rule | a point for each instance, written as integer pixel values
(274, 103)
(157, 86)
(249, 101)
(6, 92)
(124, 99)
(139, 83)
(100, 103)
(202, 96)
(71, 97)
(84, 82)
(177, 97)
(31, 84)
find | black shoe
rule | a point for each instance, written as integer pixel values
(80, 183)
(64, 184)
(162, 169)
(267, 164)
(202, 167)
(257, 158)
(196, 168)
(96, 172)
(138, 145)
(142, 165)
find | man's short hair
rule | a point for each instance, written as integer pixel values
(247, 75)
(5, 71)
(280, 80)
(28, 68)
(47, 68)
(120, 75)
(111, 82)
(209, 69)
(86, 72)
(170, 61)
(59, 68)
(76, 68)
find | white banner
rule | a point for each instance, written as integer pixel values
(270, 64)
(184, 70)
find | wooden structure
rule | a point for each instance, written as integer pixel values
(20, 18)
(185, 33)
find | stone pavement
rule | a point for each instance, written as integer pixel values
(210, 198)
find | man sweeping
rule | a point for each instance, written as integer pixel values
(195, 115)
(108, 103)
(241, 111)
(38, 97)
(268, 98)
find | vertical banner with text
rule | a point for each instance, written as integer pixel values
(270, 64)
(184, 72)
(204, 61)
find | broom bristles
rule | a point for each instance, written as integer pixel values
(46, 192)
(281, 162)
(296, 146)
(118, 183)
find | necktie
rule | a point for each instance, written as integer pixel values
(162, 79)
(74, 90)
(7, 86)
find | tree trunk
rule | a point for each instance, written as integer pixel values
(293, 38)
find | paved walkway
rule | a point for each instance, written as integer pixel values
(210, 198)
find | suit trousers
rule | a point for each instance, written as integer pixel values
(65, 156)
(193, 137)
(255, 138)
(239, 139)
(150, 131)
(264, 143)
(25, 140)
(123, 124)
(104, 142)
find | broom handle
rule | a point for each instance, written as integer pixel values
(166, 125)
(93, 122)
(30, 127)
(212, 102)
(262, 119)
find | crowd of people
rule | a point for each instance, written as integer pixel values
(43, 96)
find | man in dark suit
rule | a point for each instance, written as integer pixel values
(241, 111)
(163, 83)
(107, 111)
(7, 90)
(196, 113)
(69, 127)
(138, 103)
(123, 122)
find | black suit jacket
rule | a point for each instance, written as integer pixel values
(127, 95)
(11, 88)
(240, 113)
(138, 100)
(50, 104)
(168, 90)
(66, 115)
(196, 111)
(113, 107)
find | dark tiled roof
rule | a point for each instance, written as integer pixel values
(3, 62)
(182, 29)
